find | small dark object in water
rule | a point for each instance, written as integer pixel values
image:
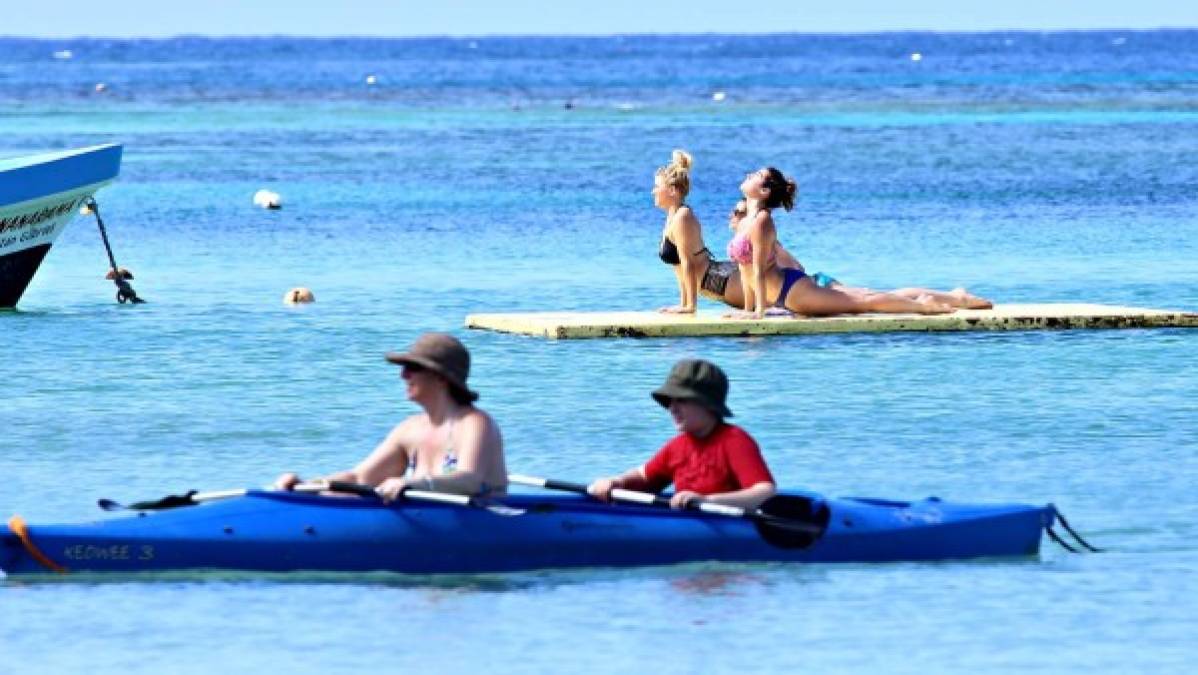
(298, 295)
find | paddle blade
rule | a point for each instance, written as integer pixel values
(790, 521)
(168, 502)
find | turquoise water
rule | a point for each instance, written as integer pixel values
(1031, 168)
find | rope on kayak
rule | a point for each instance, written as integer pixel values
(1057, 538)
(1060, 517)
(124, 291)
(18, 527)
(1078, 537)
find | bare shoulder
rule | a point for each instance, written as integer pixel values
(480, 424)
(686, 224)
(477, 418)
(680, 219)
(410, 427)
(762, 225)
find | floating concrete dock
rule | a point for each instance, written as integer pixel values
(571, 325)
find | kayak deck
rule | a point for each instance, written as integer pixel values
(570, 325)
(278, 532)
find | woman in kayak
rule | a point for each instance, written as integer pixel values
(709, 460)
(451, 446)
(958, 297)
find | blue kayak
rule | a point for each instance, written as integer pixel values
(282, 531)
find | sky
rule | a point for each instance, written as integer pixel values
(159, 18)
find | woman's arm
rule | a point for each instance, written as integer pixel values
(688, 238)
(746, 278)
(679, 277)
(388, 459)
(681, 290)
(762, 237)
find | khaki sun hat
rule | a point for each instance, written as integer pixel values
(695, 380)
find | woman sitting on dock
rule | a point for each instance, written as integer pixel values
(451, 447)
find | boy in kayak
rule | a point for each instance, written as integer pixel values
(451, 446)
(709, 460)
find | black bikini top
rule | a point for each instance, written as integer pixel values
(668, 252)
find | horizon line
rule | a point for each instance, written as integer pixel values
(470, 36)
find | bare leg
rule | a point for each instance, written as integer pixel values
(808, 299)
(958, 297)
(734, 293)
(969, 300)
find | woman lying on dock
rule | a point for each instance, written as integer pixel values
(699, 273)
(958, 297)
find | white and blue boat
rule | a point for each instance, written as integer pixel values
(39, 195)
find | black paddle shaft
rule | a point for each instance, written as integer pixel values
(352, 488)
(168, 502)
(791, 522)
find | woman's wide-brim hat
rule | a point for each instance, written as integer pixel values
(695, 380)
(444, 355)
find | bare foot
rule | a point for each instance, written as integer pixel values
(676, 309)
(966, 300)
(930, 306)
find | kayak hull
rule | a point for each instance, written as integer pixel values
(280, 532)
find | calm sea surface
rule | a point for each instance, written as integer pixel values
(514, 175)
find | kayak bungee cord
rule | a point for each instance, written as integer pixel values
(124, 291)
(193, 497)
(1057, 515)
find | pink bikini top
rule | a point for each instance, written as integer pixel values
(740, 250)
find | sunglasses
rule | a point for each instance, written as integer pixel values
(412, 369)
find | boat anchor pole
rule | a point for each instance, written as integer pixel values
(124, 291)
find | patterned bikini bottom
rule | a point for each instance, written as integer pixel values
(715, 279)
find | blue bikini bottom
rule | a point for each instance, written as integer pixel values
(790, 277)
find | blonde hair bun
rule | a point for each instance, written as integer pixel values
(682, 159)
